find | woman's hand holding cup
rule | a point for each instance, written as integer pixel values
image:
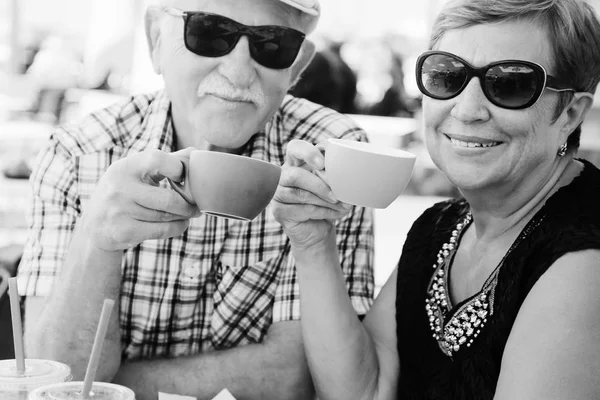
(303, 203)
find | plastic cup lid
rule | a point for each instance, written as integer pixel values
(36, 372)
(72, 391)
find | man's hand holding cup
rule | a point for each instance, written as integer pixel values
(128, 205)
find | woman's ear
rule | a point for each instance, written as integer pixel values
(152, 24)
(576, 111)
(307, 52)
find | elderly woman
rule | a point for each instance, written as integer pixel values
(495, 294)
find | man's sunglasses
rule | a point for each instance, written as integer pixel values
(511, 84)
(212, 35)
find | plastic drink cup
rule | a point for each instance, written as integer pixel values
(17, 386)
(73, 391)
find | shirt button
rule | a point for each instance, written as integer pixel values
(192, 271)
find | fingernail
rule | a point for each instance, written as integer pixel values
(331, 197)
(319, 163)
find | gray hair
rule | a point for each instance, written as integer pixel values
(573, 32)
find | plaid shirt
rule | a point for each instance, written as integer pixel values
(222, 283)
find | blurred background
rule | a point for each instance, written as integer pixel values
(62, 59)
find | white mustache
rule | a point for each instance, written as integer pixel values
(221, 87)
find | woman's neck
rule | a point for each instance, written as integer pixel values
(496, 216)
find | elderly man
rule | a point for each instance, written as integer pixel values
(204, 303)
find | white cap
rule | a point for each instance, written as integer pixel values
(308, 6)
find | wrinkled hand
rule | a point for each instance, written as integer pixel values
(128, 206)
(303, 203)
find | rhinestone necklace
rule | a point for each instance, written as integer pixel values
(468, 320)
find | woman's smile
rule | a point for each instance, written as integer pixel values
(470, 144)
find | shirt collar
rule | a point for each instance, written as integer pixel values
(157, 130)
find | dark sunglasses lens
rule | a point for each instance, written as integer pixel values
(442, 76)
(275, 47)
(513, 85)
(210, 35)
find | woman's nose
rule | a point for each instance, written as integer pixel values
(471, 105)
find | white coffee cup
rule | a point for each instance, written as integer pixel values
(366, 174)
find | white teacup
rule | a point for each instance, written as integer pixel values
(366, 174)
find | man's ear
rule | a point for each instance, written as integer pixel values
(152, 25)
(576, 111)
(307, 52)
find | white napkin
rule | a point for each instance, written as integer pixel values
(223, 395)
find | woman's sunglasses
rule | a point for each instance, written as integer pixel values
(212, 35)
(511, 84)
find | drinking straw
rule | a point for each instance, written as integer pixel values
(92, 366)
(15, 312)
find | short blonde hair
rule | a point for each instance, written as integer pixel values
(572, 27)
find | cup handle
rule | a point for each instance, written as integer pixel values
(183, 188)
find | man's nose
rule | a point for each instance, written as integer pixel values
(238, 66)
(471, 105)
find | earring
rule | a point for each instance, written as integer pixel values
(562, 150)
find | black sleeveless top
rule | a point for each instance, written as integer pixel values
(568, 222)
